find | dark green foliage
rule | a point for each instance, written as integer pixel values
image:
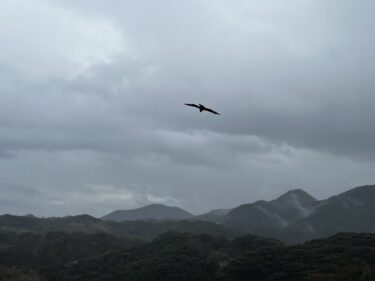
(149, 230)
(170, 257)
(39, 250)
(250, 242)
(341, 257)
(18, 274)
(173, 256)
(184, 257)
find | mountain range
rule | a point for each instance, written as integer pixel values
(158, 242)
(295, 216)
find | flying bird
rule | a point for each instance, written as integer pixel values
(202, 108)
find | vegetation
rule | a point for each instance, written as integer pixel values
(341, 257)
(59, 256)
(39, 250)
(176, 256)
(146, 230)
(18, 274)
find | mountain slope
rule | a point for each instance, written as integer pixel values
(150, 212)
(351, 211)
(344, 256)
(39, 250)
(270, 217)
(172, 257)
(218, 215)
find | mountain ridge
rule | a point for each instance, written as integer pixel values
(349, 211)
(149, 212)
(293, 217)
(270, 217)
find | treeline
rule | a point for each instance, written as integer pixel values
(146, 230)
(59, 256)
(32, 250)
(187, 257)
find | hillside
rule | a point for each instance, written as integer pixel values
(146, 230)
(170, 257)
(150, 212)
(176, 257)
(218, 215)
(270, 217)
(39, 250)
(296, 216)
(351, 211)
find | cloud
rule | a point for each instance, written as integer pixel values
(103, 199)
(57, 43)
(18, 199)
(92, 93)
(5, 154)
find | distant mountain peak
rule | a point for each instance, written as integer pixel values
(156, 205)
(297, 194)
(297, 191)
(262, 217)
(159, 206)
(84, 218)
(153, 211)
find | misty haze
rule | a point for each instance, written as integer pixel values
(187, 140)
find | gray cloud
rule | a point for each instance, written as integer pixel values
(5, 154)
(92, 111)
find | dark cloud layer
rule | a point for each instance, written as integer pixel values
(92, 115)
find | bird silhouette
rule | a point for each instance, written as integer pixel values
(202, 108)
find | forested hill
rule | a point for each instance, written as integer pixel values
(146, 230)
(176, 257)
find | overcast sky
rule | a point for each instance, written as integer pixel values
(91, 102)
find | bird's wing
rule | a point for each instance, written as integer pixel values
(212, 111)
(192, 104)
